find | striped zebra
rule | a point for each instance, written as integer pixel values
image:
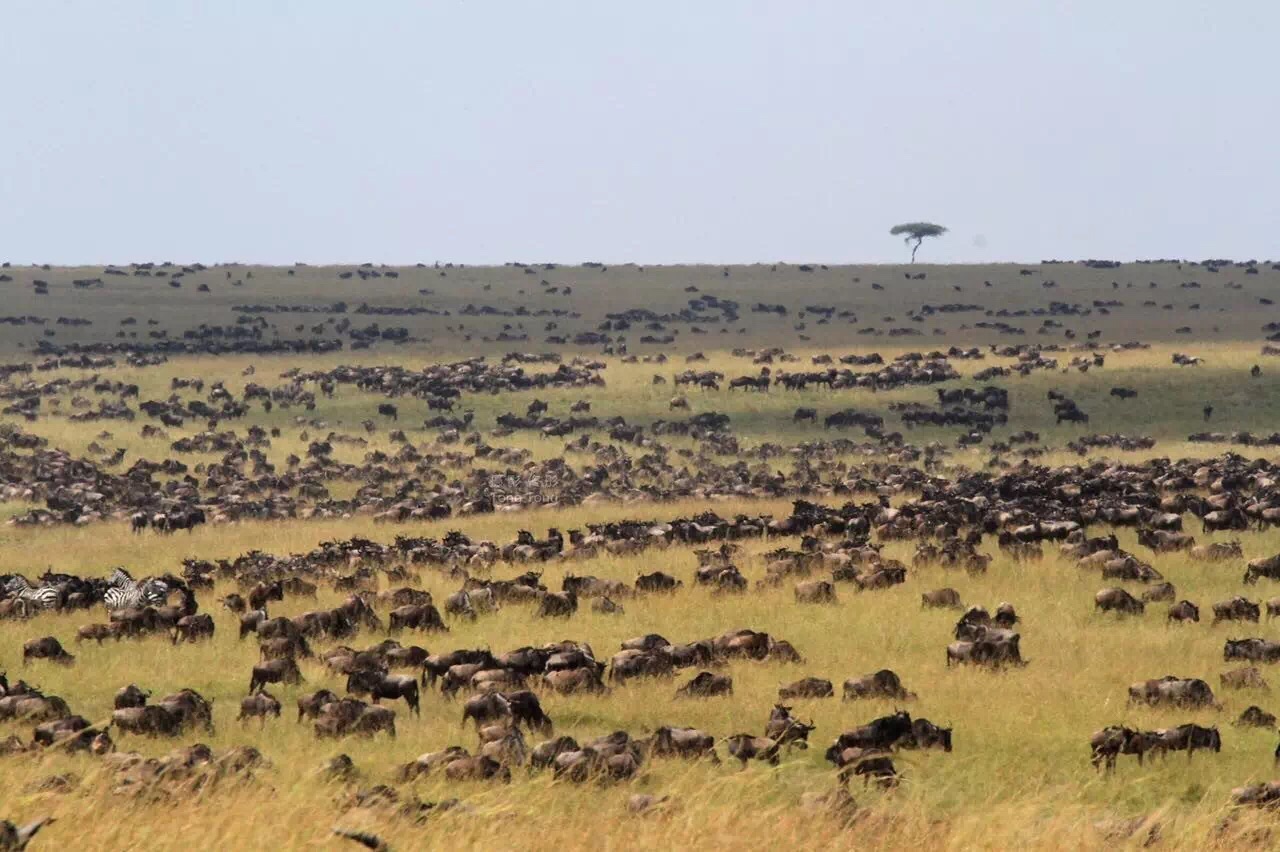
(33, 597)
(120, 578)
(136, 595)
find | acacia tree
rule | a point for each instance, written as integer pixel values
(916, 232)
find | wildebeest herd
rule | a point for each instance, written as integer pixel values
(291, 566)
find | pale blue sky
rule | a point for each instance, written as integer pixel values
(707, 131)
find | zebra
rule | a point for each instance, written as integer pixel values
(120, 578)
(136, 595)
(33, 597)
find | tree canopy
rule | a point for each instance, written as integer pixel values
(916, 232)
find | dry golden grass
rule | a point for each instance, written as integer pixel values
(1019, 776)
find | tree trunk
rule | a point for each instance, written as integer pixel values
(916, 248)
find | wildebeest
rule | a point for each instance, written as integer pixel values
(568, 681)
(807, 687)
(284, 670)
(815, 591)
(192, 628)
(148, 720)
(1255, 717)
(1184, 611)
(1254, 650)
(657, 582)
(882, 684)
(261, 705)
(309, 705)
(557, 604)
(1110, 742)
(1248, 677)
(544, 755)
(1265, 567)
(130, 696)
(1217, 551)
(633, 663)
(416, 617)
(870, 763)
(261, 593)
(927, 735)
(1187, 738)
(786, 729)
(1175, 691)
(378, 686)
(682, 742)
(476, 768)
(747, 747)
(882, 733)
(706, 685)
(991, 650)
(941, 598)
(1236, 609)
(1118, 600)
(46, 648)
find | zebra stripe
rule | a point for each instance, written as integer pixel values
(120, 578)
(43, 597)
(151, 593)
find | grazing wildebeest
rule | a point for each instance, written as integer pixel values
(148, 720)
(786, 729)
(882, 684)
(706, 685)
(1160, 592)
(1255, 717)
(1264, 567)
(46, 648)
(379, 686)
(882, 733)
(1110, 742)
(989, 650)
(807, 687)
(1217, 551)
(284, 670)
(192, 628)
(261, 593)
(544, 754)
(815, 591)
(1175, 691)
(941, 598)
(1248, 677)
(260, 704)
(310, 705)
(1253, 650)
(870, 763)
(489, 708)
(477, 768)
(569, 681)
(1184, 611)
(1187, 738)
(657, 582)
(1236, 609)
(557, 604)
(416, 617)
(747, 747)
(926, 735)
(683, 742)
(1118, 600)
(130, 696)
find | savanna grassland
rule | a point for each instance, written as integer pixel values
(1019, 775)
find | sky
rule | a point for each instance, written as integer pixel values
(655, 132)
